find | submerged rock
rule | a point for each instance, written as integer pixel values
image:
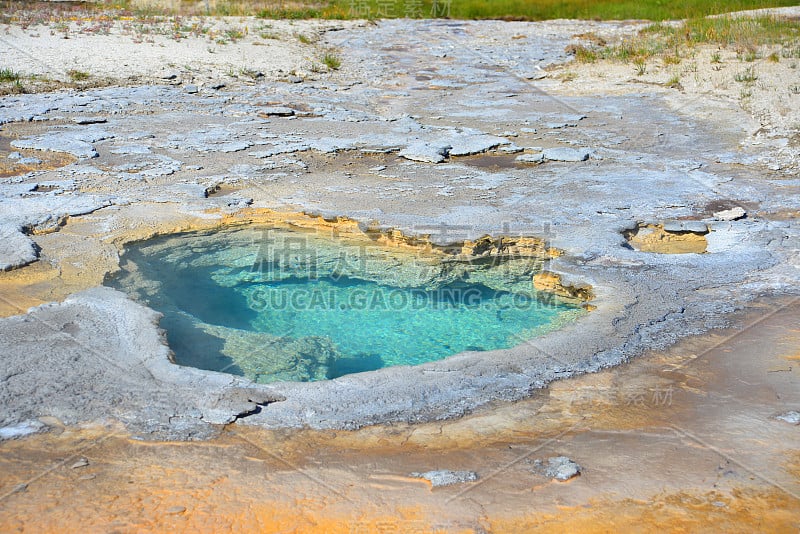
(445, 477)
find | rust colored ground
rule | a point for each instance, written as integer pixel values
(682, 441)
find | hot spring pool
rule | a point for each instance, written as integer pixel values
(286, 304)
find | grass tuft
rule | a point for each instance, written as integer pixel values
(332, 61)
(746, 76)
(78, 75)
(9, 75)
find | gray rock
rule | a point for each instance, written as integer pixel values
(732, 214)
(277, 111)
(77, 142)
(25, 428)
(446, 478)
(295, 79)
(16, 249)
(792, 417)
(698, 227)
(90, 120)
(567, 154)
(474, 144)
(192, 89)
(122, 355)
(510, 149)
(175, 510)
(425, 152)
(558, 467)
(530, 158)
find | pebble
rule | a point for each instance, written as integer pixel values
(295, 79)
(176, 509)
(192, 89)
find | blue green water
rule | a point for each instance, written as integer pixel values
(301, 324)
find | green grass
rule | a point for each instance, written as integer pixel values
(9, 75)
(747, 76)
(547, 9)
(331, 61)
(655, 10)
(667, 41)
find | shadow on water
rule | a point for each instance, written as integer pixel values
(194, 347)
(356, 364)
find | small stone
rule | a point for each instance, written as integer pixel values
(732, 214)
(82, 462)
(527, 130)
(793, 417)
(378, 168)
(171, 75)
(530, 158)
(446, 478)
(87, 477)
(295, 79)
(192, 89)
(719, 504)
(176, 510)
(15, 155)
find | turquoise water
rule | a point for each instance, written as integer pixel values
(304, 319)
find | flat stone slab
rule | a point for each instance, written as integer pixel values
(567, 154)
(426, 153)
